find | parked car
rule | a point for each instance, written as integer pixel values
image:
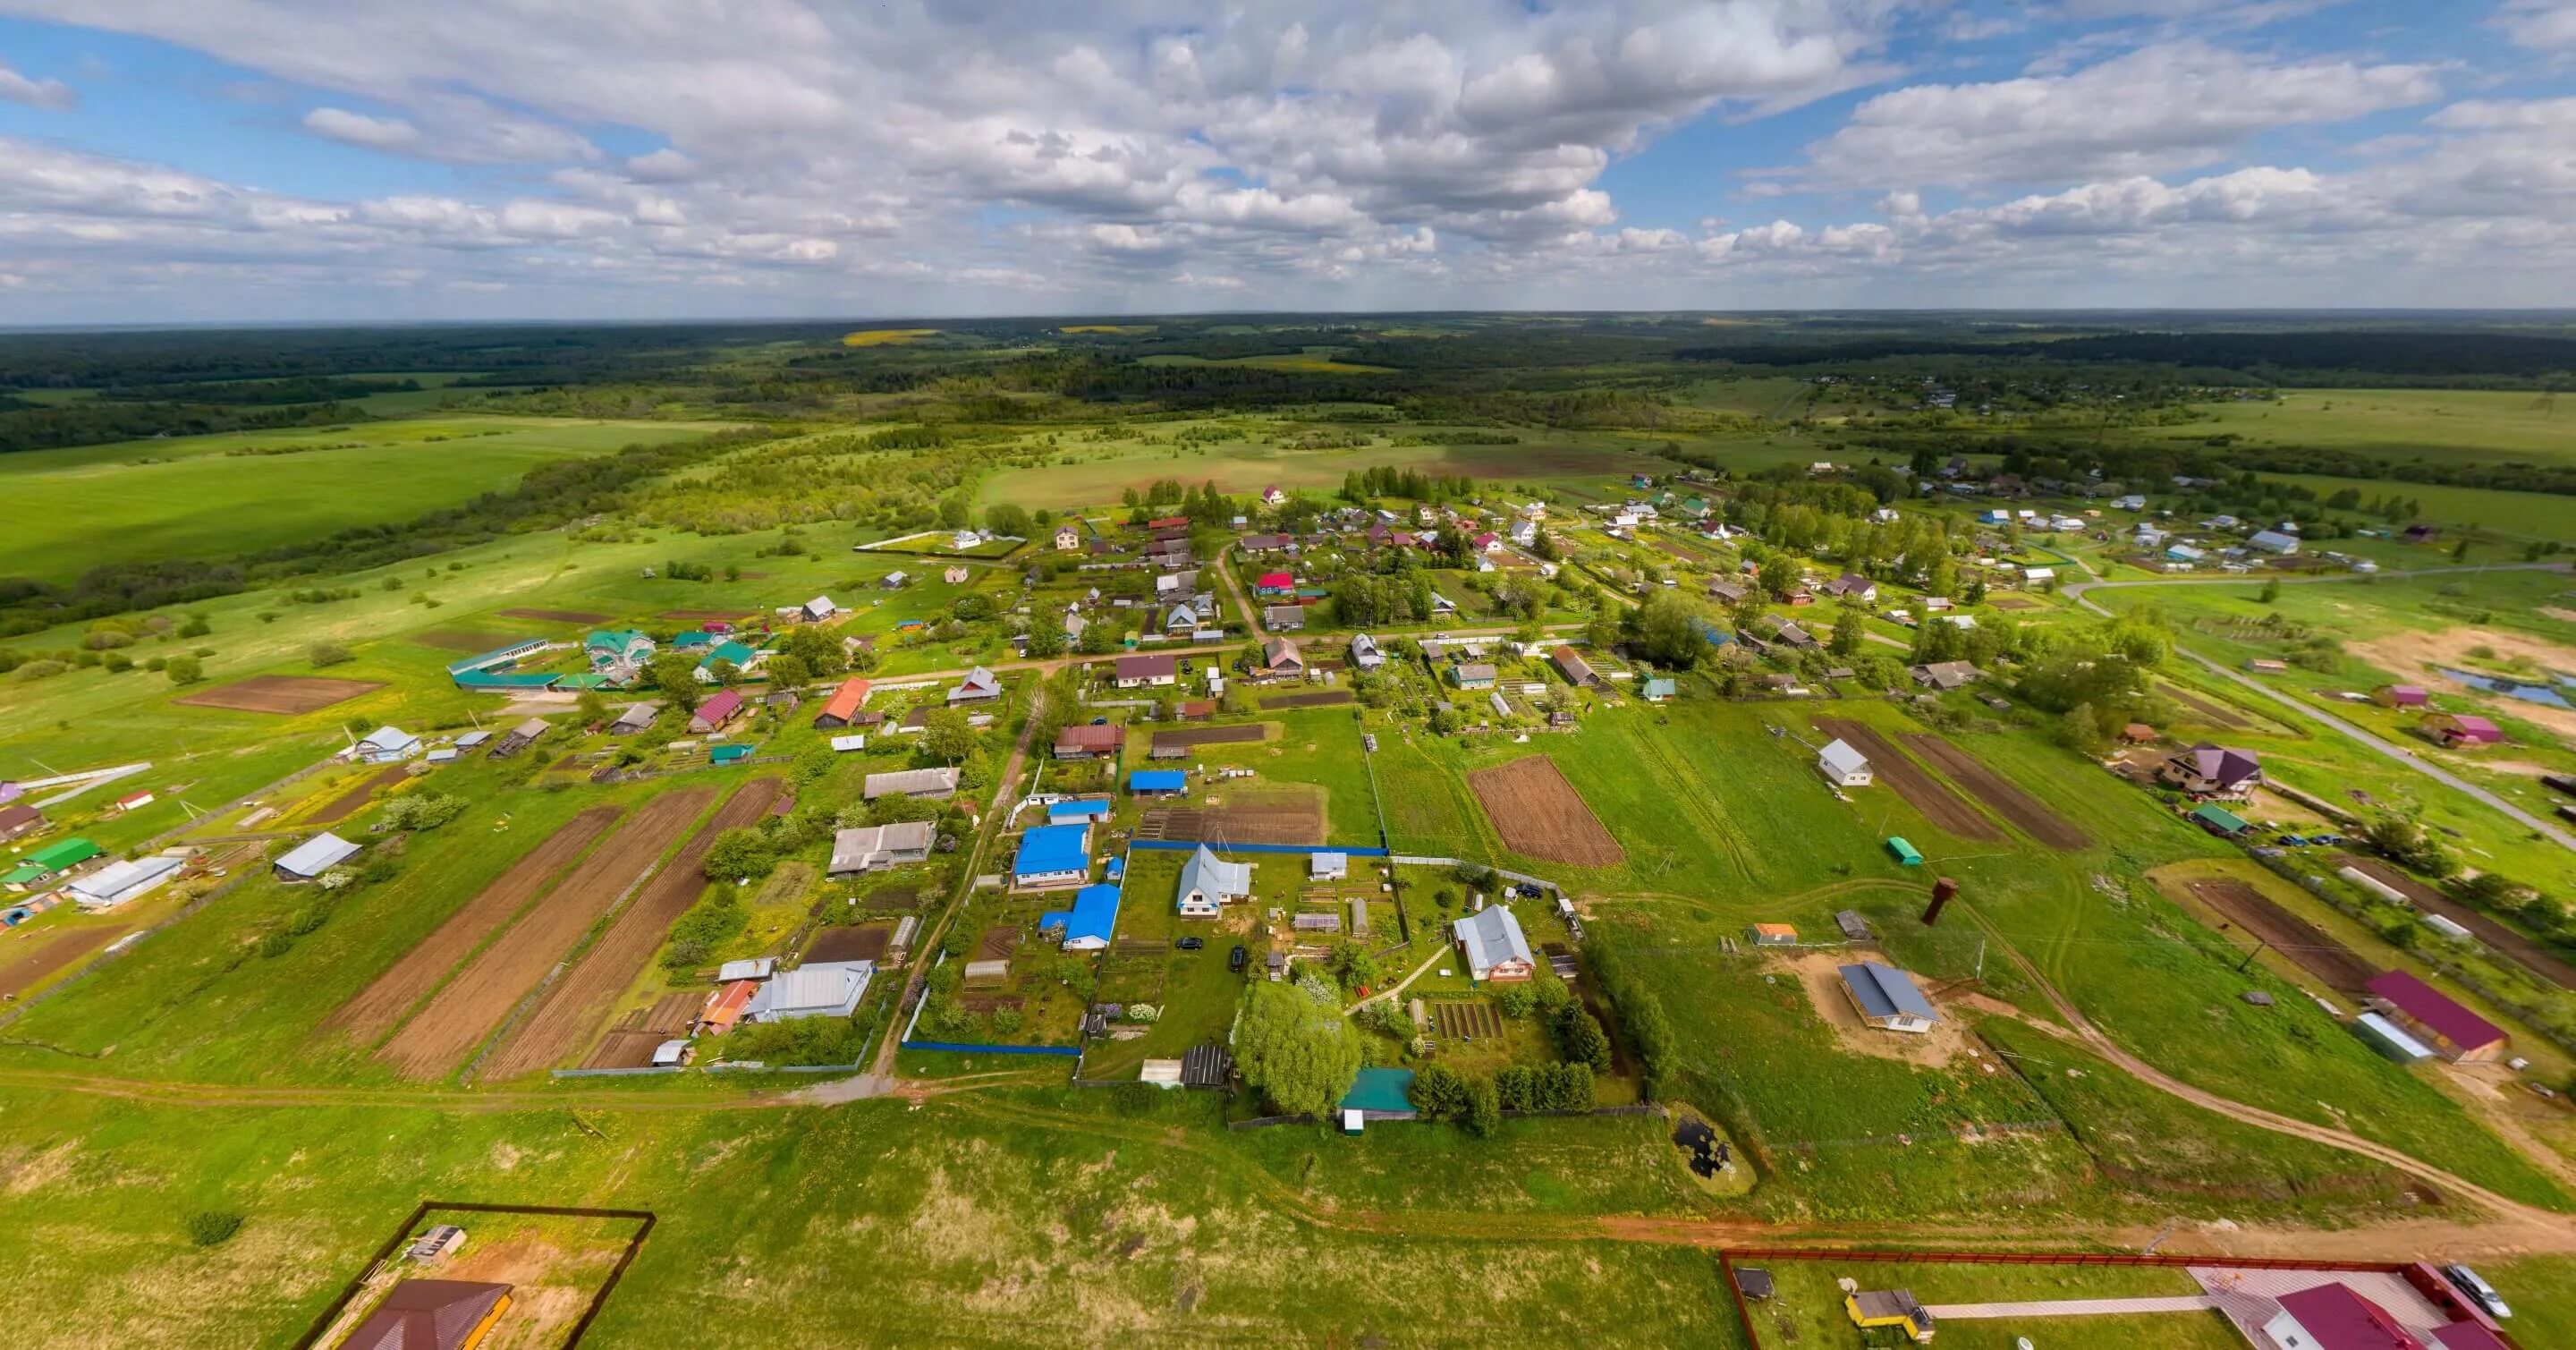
(1191, 944)
(2479, 1291)
(2291, 841)
(1236, 959)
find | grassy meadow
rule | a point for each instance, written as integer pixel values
(2404, 424)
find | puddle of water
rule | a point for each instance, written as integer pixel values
(2528, 693)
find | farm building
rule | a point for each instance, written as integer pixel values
(1903, 850)
(1087, 741)
(717, 712)
(2207, 770)
(119, 882)
(1088, 925)
(636, 718)
(314, 857)
(2390, 1039)
(1945, 675)
(1138, 672)
(387, 745)
(2458, 731)
(1208, 882)
(16, 820)
(729, 754)
(820, 608)
(520, 737)
(843, 706)
(2400, 696)
(1571, 665)
(2273, 541)
(1474, 675)
(2453, 1031)
(2220, 821)
(1895, 1308)
(48, 862)
(1158, 782)
(1283, 618)
(1052, 856)
(136, 801)
(842, 745)
(1843, 766)
(1886, 998)
(979, 686)
(2334, 1317)
(432, 1315)
(1281, 656)
(871, 848)
(824, 989)
(499, 658)
(1492, 943)
(619, 653)
(911, 783)
(1774, 935)
(1328, 866)
(1364, 652)
(1077, 810)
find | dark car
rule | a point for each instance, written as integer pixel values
(1236, 959)
(1191, 944)
(2291, 841)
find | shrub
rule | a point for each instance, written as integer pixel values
(185, 670)
(41, 670)
(276, 944)
(424, 811)
(211, 1227)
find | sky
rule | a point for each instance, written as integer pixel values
(240, 161)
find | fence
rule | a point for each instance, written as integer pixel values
(1296, 850)
(644, 1220)
(964, 1048)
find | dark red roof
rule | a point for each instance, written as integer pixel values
(1276, 580)
(2467, 1336)
(2436, 1010)
(1088, 737)
(722, 705)
(2340, 1319)
(1168, 522)
(427, 1315)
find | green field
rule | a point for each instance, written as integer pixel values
(1314, 361)
(103, 503)
(2455, 425)
(1249, 466)
(2515, 516)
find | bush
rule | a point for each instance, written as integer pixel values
(739, 853)
(328, 654)
(276, 944)
(185, 670)
(211, 1227)
(423, 811)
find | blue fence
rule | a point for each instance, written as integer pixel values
(1191, 845)
(960, 1047)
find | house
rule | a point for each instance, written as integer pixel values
(387, 745)
(1727, 593)
(1474, 675)
(1265, 543)
(717, 712)
(314, 857)
(930, 783)
(1843, 766)
(2400, 696)
(1088, 925)
(1085, 741)
(1274, 496)
(2207, 770)
(2273, 541)
(979, 686)
(1896, 1308)
(1487, 542)
(1886, 998)
(1052, 856)
(1158, 782)
(1944, 676)
(1660, 689)
(119, 882)
(1364, 652)
(1491, 941)
(1576, 670)
(1775, 934)
(16, 820)
(636, 718)
(872, 848)
(619, 653)
(1328, 866)
(1850, 586)
(822, 989)
(523, 735)
(2453, 1031)
(1137, 672)
(1283, 618)
(1274, 584)
(742, 657)
(955, 575)
(2334, 1317)
(844, 704)
(1281, 657)
(49, 862)
(2456, 731)
(432, 1315)
(964, 540)
(1067, 538)
(1208, 882)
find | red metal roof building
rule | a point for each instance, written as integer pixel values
(2453, 1030)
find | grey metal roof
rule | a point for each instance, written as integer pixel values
(1885, 991)
(1492, 935)
(316, 855)
(1841, 758)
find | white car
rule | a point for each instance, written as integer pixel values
(2478, 1290)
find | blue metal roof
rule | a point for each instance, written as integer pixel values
(1053, 848)
(1091, 808)
(1094, 914)
(1885, 991)
(1158, 780)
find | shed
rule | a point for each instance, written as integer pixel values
(1328, 866)
(729, 754)
(718, 709)
(1903, 851)
(822, 989)
(1774, 935)
(1077, 809)
(748, 968)
(1842, 765)
(1853, 926)
(1085, 740)
(117, 883)
(2457, 730)
(2400, 696)
(2220, 821)
(314, 857)
(1887, 998)
(636, 718)
(1896, 1308)
(1158, 782)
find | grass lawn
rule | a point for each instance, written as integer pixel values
(2453, 425)
(1250, 464)
(1807, 1308)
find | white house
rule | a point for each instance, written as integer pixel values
(1328, 866)
(1843, 766)
(1208, 882)
(388, 745)
(1494, 946)
(818, 609)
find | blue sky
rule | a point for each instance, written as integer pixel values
(179, 161)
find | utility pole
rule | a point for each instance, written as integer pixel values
(2259, 944)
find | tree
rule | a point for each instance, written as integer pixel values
(1005, 518)
(1301, 1054)
(1579, 1035)
(675, 673)
(327, 654)
(947, 734)
(1046, 640)
(2404, 839)
(789, 672)
(1484, 1107)
(818, 647)
(1779, 576)
(1846, 638)
(2271, 591)
(185, 670)
(590, 708)
(1667, 631)
(739, 853)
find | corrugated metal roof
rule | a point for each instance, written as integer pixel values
(316, 855)
(1885, 991)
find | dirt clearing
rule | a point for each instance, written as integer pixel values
(2015, 805)
(631, 1043)
(2314, 950)
(380, 1005)
(1947, 810)
(1819, 973)
(1540, 815)
(866, 942)
(475, 1003)
(1327, 698)
(2012, 602)
(1287, 814)
(284, 694)
(24, 964)
(554, 615)
(2420, 656)
(349, 803)
(1196, 736)
(574, 1011)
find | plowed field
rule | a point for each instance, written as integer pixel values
(287, 694)
(1947, 810)
(1540, 815)
(2008, 800)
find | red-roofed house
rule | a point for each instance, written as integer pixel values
(1136, 672)
(1275, 583)
(2400, 696)
(2455, 730)
(721, 707)
(432, 1315)
(2467, 1336)
(1168, 523)
(1489, 542)
(844, 705)
(725, 1007)
(2454, 1031)
(2333, 1317)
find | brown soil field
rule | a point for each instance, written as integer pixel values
(895, 898)
(1327, 698)
(554, 615)
(573, 1012)
(1238, 735)
(473, 1005)
(289, 694)
(2315, 952)
(1947, 810)
(2012, 602)
(25, 964)
(2539, 960)
(641, 1031)
(1540, 815)
(380, 1005)
(349, 803)
(2217, 714)
(866, 942)
(997, 944)
(468, 641)
(2000, 793)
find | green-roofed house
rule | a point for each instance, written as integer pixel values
(2220, 821)
(620, 654)
(49, 862)
(743, 657)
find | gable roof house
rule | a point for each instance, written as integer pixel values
(2273, 541)
(1208, 882)
(432, 1315)
(1570, 664)
(1281, 655)
(17, 819)
(871, 848)
(635, 718)
(979, 686)
(719, 709)
(2207, 770)
(2335, 1317)
(1945, 675)
(1492, 943)
(2459, 730)
(1474, 674)
(522, 736)
(1088, 925)
(2452, 1030)
(1067, 538)
(1843, 766)
(844, 704)
(1886, 998)
(1084, 741)
(1852, 586)
(1136, 672)
(743, 657)
(1052, 856)
(388, 745)
(818, 989)
(1283, 618)
(1364, 652)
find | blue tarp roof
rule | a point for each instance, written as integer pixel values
(484, 679)
(1117, 869)
(1380, 1090)
(1158, 780)
(1053, 848)
(1885, 991)
(1094, 914)
(1088, 809)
